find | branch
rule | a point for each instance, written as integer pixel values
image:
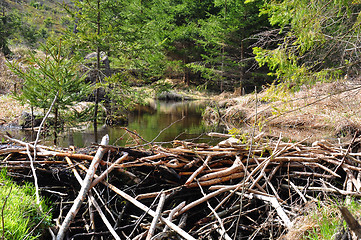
(351, 221)
(84, 189)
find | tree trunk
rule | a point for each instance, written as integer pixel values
(96, 100)
(56, 112)
(32, 118)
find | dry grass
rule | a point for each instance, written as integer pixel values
(322, 221)
(325, 110)
(311, 221)
(10, 109)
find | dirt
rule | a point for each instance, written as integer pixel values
(10, 109)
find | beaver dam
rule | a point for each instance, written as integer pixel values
(250, 189)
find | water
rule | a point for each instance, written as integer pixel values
(158, 122)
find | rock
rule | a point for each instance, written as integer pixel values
(26, 119)
(91, 60)
(172, 96)
(116, 120)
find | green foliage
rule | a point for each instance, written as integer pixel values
(48, 22)
(26, 20)
(327, 220)
(123, 96)
(154, 39)
(311, 41)
(9, 23)
(161, 86)
(55, 74)
(21, 213)
(222, 39)
(35, 4)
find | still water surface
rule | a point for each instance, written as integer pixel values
(158, 122)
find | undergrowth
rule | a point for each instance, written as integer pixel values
(21, 217)
(323, 222)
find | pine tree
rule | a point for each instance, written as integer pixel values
(55, 74)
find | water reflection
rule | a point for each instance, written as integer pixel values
(158, 122)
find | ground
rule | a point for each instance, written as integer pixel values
(326, 110)
(10, 109)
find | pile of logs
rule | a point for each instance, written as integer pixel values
(235, 190)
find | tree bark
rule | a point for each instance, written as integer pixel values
(96, 100)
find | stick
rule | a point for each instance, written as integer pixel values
(156, 216)
(198, 171)
(83, 191)
(355, 182)
(234, 168)
(223, 230)
(144, 208)
(217, 180)
(274, 202)
(206, 197)
(108, 170)
(34, 175)
(351, 221)
(11, 150)
(325, 189)
(174, 211)
(347, 151)
(104, 218)
(2, 211)
(155, 194)
(297, 190)
(76, 174)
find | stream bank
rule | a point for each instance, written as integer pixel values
(329, 111)
(160, 121)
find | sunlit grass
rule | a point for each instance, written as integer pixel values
(322, 221)
(326, 219)
(20, 213)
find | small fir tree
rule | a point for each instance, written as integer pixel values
(49, 76)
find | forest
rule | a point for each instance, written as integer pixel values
(214, 45)
(279, 78)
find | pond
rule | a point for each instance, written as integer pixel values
(160, 121)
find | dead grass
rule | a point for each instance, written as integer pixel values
(10, 109)
(325, 110)
(311, 222)
(8, 81)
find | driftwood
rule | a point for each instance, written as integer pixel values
(204, 189)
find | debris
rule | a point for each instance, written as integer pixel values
(205, 189)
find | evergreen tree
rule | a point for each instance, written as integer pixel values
(54, 75)
(315, 41)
